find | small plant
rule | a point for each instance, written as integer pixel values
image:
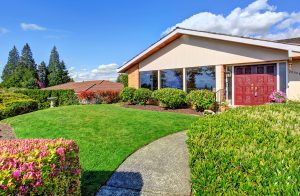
(107, 96)
(278, 97)
(201, 100)
(142, 96)
(170, 97)
(86, 96)
(127, 95)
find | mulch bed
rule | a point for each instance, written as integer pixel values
(6, 132)
(157, 108)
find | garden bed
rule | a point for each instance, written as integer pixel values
(158, 108)
(6, 132)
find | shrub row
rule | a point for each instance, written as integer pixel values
(170, 97)
(39, 167)
(247, 151)
(12, 104)
(64, 97)
(105, 96)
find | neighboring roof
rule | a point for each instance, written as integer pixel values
(295, 40)
(94, 85)
(178, 32)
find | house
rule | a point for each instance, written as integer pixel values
(93, 86)
(242, 70)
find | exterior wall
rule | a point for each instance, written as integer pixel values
(294, 81)
(133, 76)
(190, 51)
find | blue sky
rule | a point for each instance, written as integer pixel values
(95, 37)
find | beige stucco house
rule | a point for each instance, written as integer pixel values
(244, 71)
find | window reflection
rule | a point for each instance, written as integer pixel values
(148, 79)
(172, 78)
(201, 78)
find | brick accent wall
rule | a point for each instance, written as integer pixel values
(133, 76)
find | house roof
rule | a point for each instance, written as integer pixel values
(93, 85)
(295, 40)
(178, 32)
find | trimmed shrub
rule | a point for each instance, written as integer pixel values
(142, 95)
(107, 96)
(39, 167)
(170, 97)
(13, 104)
(127, 94)
(201, 100)
(86, 97)
(247, 151)
(64, 97)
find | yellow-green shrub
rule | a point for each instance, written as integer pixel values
(247, 151)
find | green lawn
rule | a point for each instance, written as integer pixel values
(106, 134)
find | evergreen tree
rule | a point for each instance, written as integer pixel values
(11, 65)
(27, 59)
(54, 63)
(63, 73)
(42, 74)
(123, 78)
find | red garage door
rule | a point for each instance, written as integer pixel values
(253, 84)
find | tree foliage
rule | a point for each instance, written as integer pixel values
(123, 78)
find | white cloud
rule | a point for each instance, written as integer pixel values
(102, 72)
(32, 27)
(259, 19)
(3, 30)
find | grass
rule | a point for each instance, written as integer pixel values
(106, 134)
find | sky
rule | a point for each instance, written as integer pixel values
(94, 38)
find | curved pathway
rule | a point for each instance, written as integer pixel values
(160, 168)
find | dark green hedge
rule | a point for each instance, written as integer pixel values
(64, 97)
(13, 104)
(247, 151)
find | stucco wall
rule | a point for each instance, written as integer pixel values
(294, 81)
(190, 51)
(133, 76)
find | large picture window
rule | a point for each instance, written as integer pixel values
(148, 79)
(172, 78)
(201, 78)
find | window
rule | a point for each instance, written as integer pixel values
(172, 78)
(282, 77)
(201, 78)
(148, 79)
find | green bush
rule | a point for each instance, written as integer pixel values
(64, 97)
(201, 100)
(247, 151)
(170, 97)
(127, 94)
(142, 95)
(12, 104)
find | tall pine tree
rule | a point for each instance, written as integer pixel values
(27, 59)
(42, 75)
(11, 65)
(57, 72)
(54, 62)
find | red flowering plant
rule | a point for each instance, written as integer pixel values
(86, 96)
(39, 167)
(278, 97)
(108, 96)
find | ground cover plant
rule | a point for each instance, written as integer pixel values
(39, 167)
(247, 151)
(106, 134)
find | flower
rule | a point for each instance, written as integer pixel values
(16, 174)
(278, 97)
(60, 151)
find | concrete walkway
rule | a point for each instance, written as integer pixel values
(160, 168)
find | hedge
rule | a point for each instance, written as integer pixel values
(127, 95)
(39, 167)
(247, 151)
(141, 96)
(12, 104)
(170, 97)
(64, 97)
